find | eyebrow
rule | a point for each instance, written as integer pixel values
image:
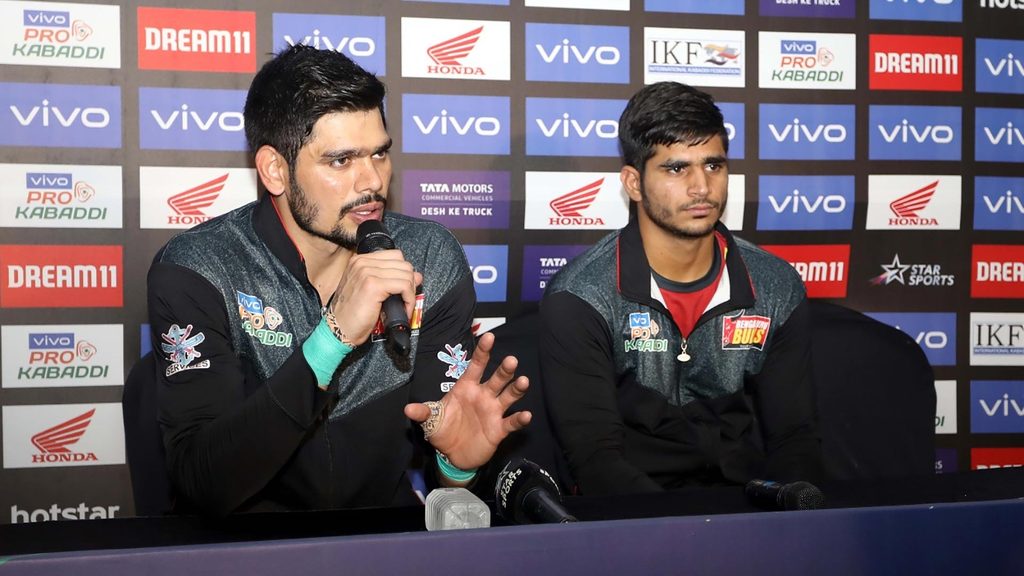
(686, 163)
(330, 155)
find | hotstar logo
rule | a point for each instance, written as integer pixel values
(448, 54)
(569, 206)
(53, 442)
(190, 203)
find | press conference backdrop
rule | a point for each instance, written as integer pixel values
(878, 146)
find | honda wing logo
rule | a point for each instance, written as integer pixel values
(908, 206)
(57, 439)
(191, 202)
(572, 204)
(450, 52)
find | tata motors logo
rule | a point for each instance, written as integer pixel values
(191, 119)
(934, 332)
(945, 406)
(808, 8)
(998, 203)
(732, 7)
(997, 271)
(997, 339)
(998, 66)
(989, 458)
(58, 34)
(577, 53)
(997, 406)
(575, 201)
(541, 263)
(807, 61)
(449, 124)
(489, 265)
(464, 49)
(999, 135)
(60, 196)
(181, 197)
(914, 132)
(933, 63)
(805, 203)
(361, 38)
(60, 115)
(62, 356)
(50, 436)
(917, 10)
(471, 199)
(73, 276)
(735, 128)
(200, 40)
(822, 267)
(572, 127)
(807, 131)
(696, 57)
(913, 202)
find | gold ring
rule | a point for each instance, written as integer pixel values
(433, 423)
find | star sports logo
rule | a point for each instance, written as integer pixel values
(912, 274)
(53, 443)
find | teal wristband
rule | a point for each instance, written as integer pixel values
(451, 472)
(324, 353)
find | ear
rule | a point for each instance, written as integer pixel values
(272, 169)
(630, 178)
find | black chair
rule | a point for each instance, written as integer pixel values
(144, 444)
(876, 396)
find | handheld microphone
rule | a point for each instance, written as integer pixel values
(526, 494)
(372, 237)
(455, 508)
(793, 496)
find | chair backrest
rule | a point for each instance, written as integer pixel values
(144, 444)
(876, 396)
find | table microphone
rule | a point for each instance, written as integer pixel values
(372, 237)
(526, 494)
(792, 496)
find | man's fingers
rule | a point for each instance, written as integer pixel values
(417, 412)
(517, 421)
(481, 355)
(505, 372)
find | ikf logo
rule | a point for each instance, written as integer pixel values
(575, 201)
(577, 53)
(914, 132)
(822, 267)
(930, 63)
(917, 10)
(55, 435)
(986, 458)
(60, 115)
(449, 124)
(200, 40)
(464, 49)
(490, 271)
(541, 263)
(997, 339)
(60, 196)
(934, 332)
(830, 9)
(733, 7)
(361, 38)
(807, 61)
(191, 119)
(181, 197)
(79, 276)
(997, 406)
(805, 203)
(998, 66)
(458, 199)
(913, 202)
(572, 126)
(807, 131)
(998, 203)
(62, 356)
(735, 128)
(998, 271)
(945, 406)
(999, 136)
(58, 34)
(695, 57)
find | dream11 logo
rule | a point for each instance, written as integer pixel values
(79, 276)
(822, 267)
(900, 62)
(200, 40)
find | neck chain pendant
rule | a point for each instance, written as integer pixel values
(683, 356)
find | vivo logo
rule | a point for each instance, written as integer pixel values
(927, 10)
(49, 181)
(1011, 65)
(191, 119)
(445, 124)
(51, 341)
(46, 18)
(577, 53)
(567, 52)
(806, 202)
(488, 265)
(355, 45)
(567, 127)
(932, 339)
(734, 128)
(796, 202)
(807, 131)
(1008, 135)
(572, 127)
(1007, 203)
(998, 137)
(997, 406)
(906, 132)
(915, 133)
(795, 130)
(799, 47)
(359, 37)
(186, 119)
(60, 115)
(485, 274)
(934, 332)
(997, 66)
(48, 115)
(1004, 406)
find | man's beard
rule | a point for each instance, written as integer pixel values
(305, 213)
(662, 217)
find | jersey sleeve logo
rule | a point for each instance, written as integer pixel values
(180, 346)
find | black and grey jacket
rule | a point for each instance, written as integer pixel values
(632, 416)
(245, 425)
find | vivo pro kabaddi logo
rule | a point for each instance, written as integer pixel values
(78, 35)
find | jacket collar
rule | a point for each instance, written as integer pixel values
(269, 227)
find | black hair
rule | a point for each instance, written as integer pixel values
(296, 88)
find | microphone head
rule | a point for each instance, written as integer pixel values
(371, 236)
(801, 496)
(517, 479)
